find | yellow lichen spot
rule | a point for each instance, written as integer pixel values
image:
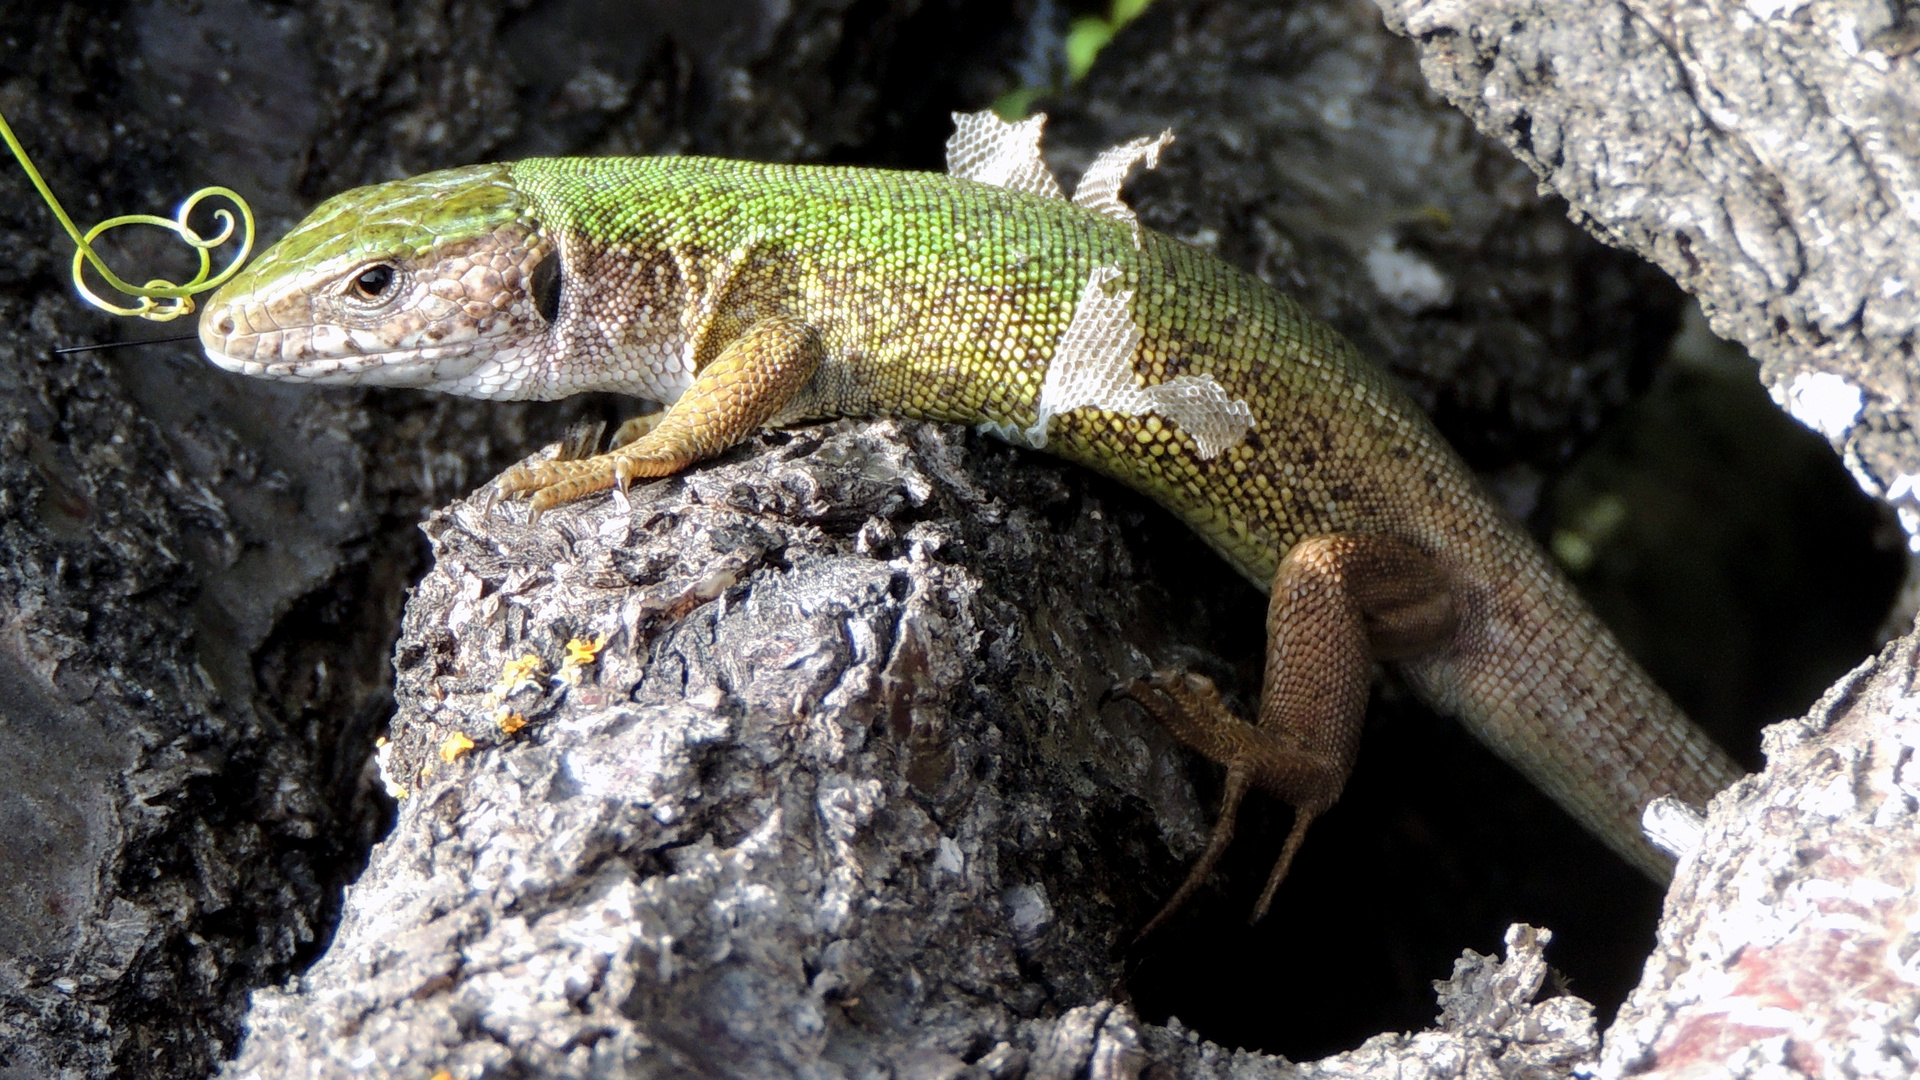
(441, 1075)
(456, 744)
(580, 653)
(519, 674)
(509, 721)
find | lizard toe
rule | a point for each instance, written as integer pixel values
(1169, 695)
(521, 479)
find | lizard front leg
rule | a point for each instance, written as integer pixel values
(739, 392)
(1339, 603)
(634, 428)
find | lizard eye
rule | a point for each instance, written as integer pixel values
(372, 283)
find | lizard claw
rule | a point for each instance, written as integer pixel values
(557, 483)
(1167, 696)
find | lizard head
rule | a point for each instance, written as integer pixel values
(438, 281)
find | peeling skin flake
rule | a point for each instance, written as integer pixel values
(1099, 188)
(1093, 367)
(989, 150)
(1093, 364)
(1201, 407)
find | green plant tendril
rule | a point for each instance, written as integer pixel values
(159, 300)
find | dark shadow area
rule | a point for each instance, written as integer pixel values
(1726, 544)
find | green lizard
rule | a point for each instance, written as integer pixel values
(744, 295)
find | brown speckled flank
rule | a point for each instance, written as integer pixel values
(743, 294)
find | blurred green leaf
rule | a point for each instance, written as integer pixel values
(1086, 36)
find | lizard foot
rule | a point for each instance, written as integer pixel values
(1189, 707)
(556, 483)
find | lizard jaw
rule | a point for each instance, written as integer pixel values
(333, 355)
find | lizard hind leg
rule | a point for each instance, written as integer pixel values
(1339, 603)
(748, 384)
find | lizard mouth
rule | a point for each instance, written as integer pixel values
(322, 354)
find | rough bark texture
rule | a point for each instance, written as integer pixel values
(841, 796)
(167, 840)
(1768, 156)
(201, 577)
(829, 801)
(1765, 154)
(1789, 940)
(825, 803)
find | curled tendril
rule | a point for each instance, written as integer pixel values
(159, 300)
